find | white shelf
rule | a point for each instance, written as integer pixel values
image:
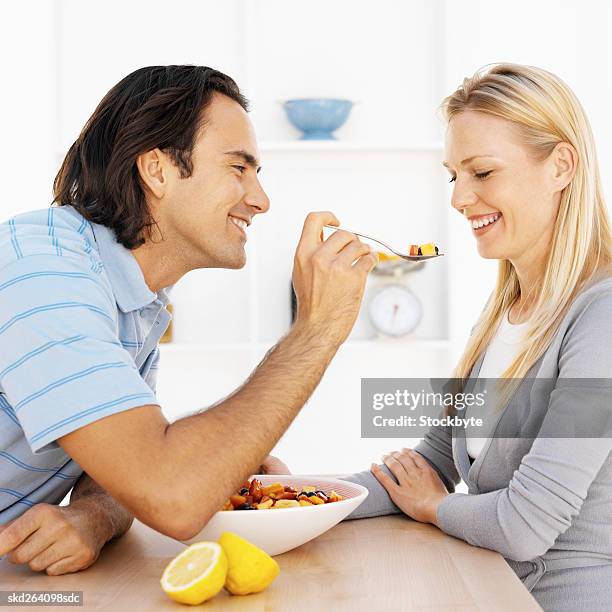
(347, 146)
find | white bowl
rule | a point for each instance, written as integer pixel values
(277, 531)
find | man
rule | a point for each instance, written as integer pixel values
(162, 180)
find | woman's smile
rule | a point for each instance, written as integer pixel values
(482, 224)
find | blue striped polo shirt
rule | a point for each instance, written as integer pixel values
(79, 341)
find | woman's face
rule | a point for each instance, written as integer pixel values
(500, 187)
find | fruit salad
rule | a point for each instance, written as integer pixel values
(255, 496)
(423, 249)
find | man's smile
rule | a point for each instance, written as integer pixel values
(240, 223)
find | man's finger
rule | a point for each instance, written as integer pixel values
(312, 232)
(47, 557)
(367, 263)
(18, 531)
(3, 527)
(32, 546)
(353, 251)
(64, 566)
(338, 241)
(385, 480)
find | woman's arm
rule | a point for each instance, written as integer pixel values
(547, 491)
(436, 448)
(523, 520)
(378, 502)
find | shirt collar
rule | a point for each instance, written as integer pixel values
(126, 277)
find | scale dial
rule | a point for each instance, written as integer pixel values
(395, 310)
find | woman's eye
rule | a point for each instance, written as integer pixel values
(452, 179)
(482, 175)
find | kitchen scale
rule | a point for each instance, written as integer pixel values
(392, 308)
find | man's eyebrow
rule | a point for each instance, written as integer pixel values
(467, 160)
(249, 158)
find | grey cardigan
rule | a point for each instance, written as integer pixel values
(546, 503)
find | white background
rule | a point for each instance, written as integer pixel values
(397, 59)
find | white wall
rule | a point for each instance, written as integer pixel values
(397, 59)
(28, 105)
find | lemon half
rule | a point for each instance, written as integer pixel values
(196, 574)
(250, 569)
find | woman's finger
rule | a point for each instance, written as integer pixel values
(419, 460)
(405, 458)
(273, 465)
(385, 480)
(397, 469)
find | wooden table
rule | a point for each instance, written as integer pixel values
(387, 563)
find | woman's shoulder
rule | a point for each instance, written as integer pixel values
(596, 295)
(587, 327)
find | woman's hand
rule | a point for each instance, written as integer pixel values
(273, 465)
(418, 491)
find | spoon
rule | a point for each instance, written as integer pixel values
(402, 255)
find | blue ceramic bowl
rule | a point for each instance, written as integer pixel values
(317, 117)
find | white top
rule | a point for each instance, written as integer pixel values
(502, 349)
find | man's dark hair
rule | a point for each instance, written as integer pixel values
(156, 106)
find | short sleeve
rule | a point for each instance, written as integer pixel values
(151, 375)
(62, 365)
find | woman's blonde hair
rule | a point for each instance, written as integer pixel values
(546, 112)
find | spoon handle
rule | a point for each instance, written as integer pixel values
(363, 236)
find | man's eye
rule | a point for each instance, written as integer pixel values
(240, 168)
(482, 175)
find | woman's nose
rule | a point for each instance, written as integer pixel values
(463, 196)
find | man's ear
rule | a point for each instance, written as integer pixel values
(153, 169)
(565, 160)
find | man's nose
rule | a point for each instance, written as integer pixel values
(257, 198)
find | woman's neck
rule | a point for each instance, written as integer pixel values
(530, 273)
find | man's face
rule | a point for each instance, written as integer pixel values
(207, 214)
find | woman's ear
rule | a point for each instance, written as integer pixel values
(565, 160)
(152, 168)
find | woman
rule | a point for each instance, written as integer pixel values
(522, 160)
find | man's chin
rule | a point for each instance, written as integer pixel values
(235, 263)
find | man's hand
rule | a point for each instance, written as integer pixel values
(329, 277)
(64, 539)
(418, 491)
(55, 539)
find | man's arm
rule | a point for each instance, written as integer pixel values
(64, 539)
(175, 477)
(111, 518)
